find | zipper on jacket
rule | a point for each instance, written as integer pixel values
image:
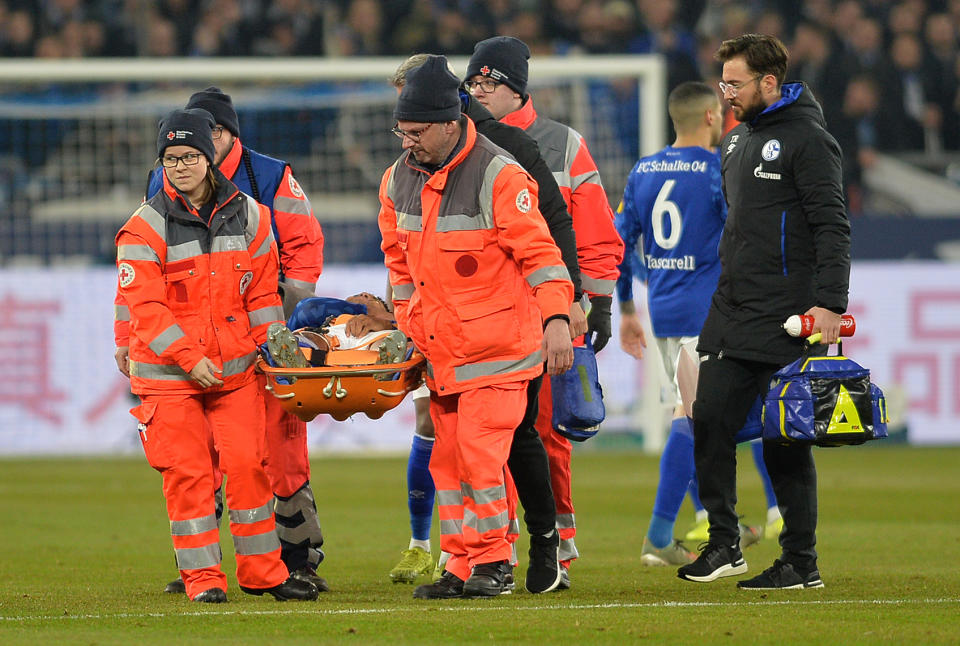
(783, 241)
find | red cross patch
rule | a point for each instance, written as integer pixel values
(170, 135)
(126, 274)
(523, 201)
(485, 70)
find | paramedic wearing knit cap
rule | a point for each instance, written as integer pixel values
(497, 78)
(469, 258)
(197, 268)
(300, 241)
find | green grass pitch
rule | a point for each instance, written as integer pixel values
(85, 552)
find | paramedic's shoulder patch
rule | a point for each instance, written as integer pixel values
(523, 201)
(126, 273)
(294, 187)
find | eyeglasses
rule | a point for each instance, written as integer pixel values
(413, 135)
(190, 159)
(487, 85)
(734, 88)
(217, 131)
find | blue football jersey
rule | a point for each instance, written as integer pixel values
(673, 207)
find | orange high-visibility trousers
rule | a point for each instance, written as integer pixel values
(474, 430)
(288, 463)
(182, 435)
(559, 451)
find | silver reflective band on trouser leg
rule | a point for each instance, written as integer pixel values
(483, 496)
(486, 524)
(193, 526)
(257, 544)
(250, 516)
(195, 558)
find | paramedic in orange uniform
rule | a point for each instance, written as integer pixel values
(197, 267)
(481, 289)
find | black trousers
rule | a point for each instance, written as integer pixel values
(726, 389)
(531, 470)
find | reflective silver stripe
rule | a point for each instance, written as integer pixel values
(404, 291)
(546, 274)
(264, 248)
(566, 521)
(265, 315)
(391, 181)
(183, 251)
(514, 526)
(490, 173)
(193, 526)
(258, 544)
(300, 284)
(430, 370)
(157, 371)
(461, 222)
(451, 527)
(449, 497)
(253, 219)
(597, 285)
(121, 313)
(228, 243)
(590, 177)
(137, 252)
(153, 219)
(255, 515)
(292, 205)
(570, 154)
(238, 366)
(194, 558)
(297, 521)
(409, 221)
(568, 551)
(481, 525)
(165, 339)
(488, 368)
(483, 496)
(562, 179)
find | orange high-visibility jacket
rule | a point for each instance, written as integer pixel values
(196, 288)
(473, 269)
(599, 246)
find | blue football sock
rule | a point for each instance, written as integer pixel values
(757, 447)
(420, 489)
(694, 491)
(676, 470)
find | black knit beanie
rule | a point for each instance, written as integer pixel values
(191, 127)
(502, 58)
(430, 93)
(218, 104)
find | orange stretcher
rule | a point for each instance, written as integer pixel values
(344, 390)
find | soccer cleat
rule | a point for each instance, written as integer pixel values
(673, 554)
(699, 532)
(714, 562)
(750, 535)
(564, 578)
(307, 573)
(211, 595)
(441, 565)
(488, 580)
(415, 561)
(543, 573)
(175, 587)
(283, 347)
(782, 576)
(449, 586)
(393, 348)
(292, 589)
(773, 529)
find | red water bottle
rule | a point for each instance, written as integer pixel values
(802, 325)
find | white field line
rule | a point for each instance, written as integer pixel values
(308, 609)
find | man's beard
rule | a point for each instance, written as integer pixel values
(751, 112)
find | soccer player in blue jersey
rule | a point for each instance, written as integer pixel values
(673, 203)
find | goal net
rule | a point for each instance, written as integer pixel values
(77, 138)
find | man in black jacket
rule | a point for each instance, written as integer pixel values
(528, 459)
(785, 250)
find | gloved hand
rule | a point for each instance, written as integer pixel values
(598, 321)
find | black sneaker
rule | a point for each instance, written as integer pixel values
(211, 595)
(488, 580)
(175, 587)
(782, 576)
(543, 573)
(448, 586)
(715, 561)
(307, 573)
(292, 589)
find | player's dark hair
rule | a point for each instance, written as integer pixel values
(686, 101)
(763, 54)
